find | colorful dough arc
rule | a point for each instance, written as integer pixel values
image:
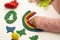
(27, 24)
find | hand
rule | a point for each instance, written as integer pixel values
(46, 24)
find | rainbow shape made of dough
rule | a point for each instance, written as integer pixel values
(28, 25)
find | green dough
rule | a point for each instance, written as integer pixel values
(34, 37)
(44, 3)
(21, 32)
(7, 16)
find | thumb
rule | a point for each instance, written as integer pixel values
(35, 21)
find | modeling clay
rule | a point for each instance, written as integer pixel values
(10, 29)
(21, 32)
(34, 37)
(15, 36)
(44, 3)
(12, 4)
(7, 16)
(27, 24)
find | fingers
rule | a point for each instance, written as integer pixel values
(38, 22)
(37, 1)
(30, 1)
(34, 21)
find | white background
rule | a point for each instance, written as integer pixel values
(24, 6)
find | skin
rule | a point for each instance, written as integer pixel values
(37, 1)
(52, 25)
(56, 4)
(46, 24)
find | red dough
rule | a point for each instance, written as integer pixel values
(12, 4)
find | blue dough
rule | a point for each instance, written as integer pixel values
(10, 29)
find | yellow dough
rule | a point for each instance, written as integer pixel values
(15, 36)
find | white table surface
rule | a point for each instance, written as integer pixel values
(24, 6)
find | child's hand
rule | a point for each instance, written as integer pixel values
(37, 1)
(46, 24)
(55, 3)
